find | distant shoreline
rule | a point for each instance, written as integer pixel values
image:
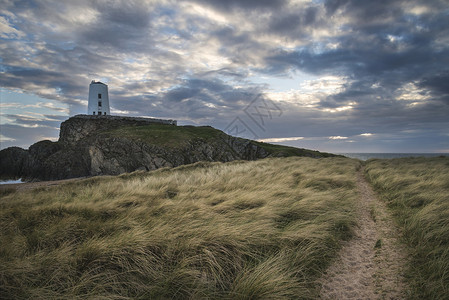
(24, 185)
(366, 156)
(11, 181)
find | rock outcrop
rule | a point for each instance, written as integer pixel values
(106, 145)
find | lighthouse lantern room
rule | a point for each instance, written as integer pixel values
(98, 99)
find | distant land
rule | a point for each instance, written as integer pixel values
(112, 145)
(366, 156)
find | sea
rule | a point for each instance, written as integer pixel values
(11, 181)
(366, 156)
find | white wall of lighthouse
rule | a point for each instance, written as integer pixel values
(98, 103)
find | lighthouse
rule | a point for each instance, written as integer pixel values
(98, 99)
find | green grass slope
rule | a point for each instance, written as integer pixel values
(417, 190)
(242, 230)
(179, 136)
(167, 135)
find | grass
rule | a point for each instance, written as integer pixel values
(167, 135)
(180, 136)
(285, 151)
(417, 191)
(242, 230)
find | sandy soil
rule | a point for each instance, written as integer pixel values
(371, 264)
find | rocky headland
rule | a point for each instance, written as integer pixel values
(111, 145)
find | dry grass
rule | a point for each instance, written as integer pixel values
(417, 190)
(240, 230)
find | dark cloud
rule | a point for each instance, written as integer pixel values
(181, 93)
(438, 84)
(16, 76)
(195, 98)
(225, 72)
(230, 5)
(50, 121)
(365, 11)
(119, 26)
(296, 22)
(131, 14)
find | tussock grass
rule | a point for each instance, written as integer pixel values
(242, 230)
(417, 190)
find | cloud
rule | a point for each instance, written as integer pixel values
(50, 121)
(372, 66)
(280, 140)
(20, 136)
(437, 85)
(6, 139)
(337, 137)
(7, 30)
(246, 5)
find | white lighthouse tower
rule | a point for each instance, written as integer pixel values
(98, 99)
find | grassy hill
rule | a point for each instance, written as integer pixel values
(112, 145)
(237, 230)
(167, 136)
(180, 136)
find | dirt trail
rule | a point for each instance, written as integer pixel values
(371, 264)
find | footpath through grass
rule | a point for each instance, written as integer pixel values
(417, 190)
(240, 230)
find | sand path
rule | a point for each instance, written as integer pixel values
(371, 264)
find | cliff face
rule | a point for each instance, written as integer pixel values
(90, 146)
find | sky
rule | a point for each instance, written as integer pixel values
(330, 75)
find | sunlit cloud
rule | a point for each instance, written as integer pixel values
(50, 138)
(338, 109)
(6, 139)
(411, 92)
(326, 85)
(337, 137)
(280, 140)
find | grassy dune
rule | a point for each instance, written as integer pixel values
(417, 189)
(240, 230)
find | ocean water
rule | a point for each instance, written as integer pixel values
(366, 156)
(11, 181)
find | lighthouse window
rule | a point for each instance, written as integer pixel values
(99, 103)
(99, 96)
